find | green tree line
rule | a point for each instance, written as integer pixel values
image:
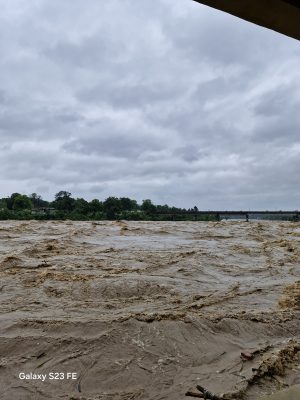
(64, 206)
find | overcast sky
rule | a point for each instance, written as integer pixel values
(165, 99)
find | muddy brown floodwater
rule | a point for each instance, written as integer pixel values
(149, 310)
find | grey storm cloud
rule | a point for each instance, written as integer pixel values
(118, 145)
(128, 95)
(167, 100)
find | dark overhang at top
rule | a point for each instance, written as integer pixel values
(282, 16)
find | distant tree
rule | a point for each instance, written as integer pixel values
(62, 195)
(63, 201)
(81, 206)
(21, 202)
(37, 200)
(148, 207)
(14, 195)
(10, 200)
(3, 204)
(111, 207)
(163, 209)
(96, 205)
(128, 204)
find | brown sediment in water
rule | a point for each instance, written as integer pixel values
(291, 297)
(292, 393)
(149, 310)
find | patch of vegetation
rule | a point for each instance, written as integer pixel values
(64, 206)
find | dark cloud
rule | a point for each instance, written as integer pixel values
(2, 97)
(168, 100)
(277, 119)
(109, 137)
(128, 95)
(115, 145)
(278, 101)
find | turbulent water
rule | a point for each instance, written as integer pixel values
(149, 310)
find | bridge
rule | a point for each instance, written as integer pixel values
(282, 16)
(274, 215)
